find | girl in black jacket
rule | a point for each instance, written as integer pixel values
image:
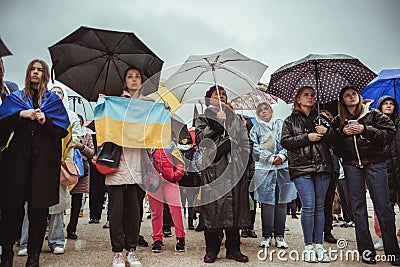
(359, 135)
(310, 167)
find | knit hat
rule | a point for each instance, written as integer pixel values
(210, 92)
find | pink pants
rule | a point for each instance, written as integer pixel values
(169, 192)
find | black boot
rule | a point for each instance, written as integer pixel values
(33, 259)
(200, 227)
(190, 224)
(7, 256)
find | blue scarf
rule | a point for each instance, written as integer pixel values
(51, 106)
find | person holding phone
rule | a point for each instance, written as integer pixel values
(359, 135)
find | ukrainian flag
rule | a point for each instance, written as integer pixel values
(132, 123)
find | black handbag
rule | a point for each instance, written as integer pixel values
(108, 158)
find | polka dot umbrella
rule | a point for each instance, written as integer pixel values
(327, 74)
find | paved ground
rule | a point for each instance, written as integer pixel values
(93, 248)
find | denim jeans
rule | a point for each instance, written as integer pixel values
(312, 191)
(375, 175)
(23, 242)
(56, 231)
(273, 219)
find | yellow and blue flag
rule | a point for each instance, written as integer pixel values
(51, 106)
(132, 123)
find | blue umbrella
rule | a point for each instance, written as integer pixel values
(386, 83)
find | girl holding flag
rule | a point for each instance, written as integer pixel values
(32, 124)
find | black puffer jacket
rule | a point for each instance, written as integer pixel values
(393, 153)
(365, 148)
(305, 157)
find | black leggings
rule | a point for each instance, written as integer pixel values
(76, 203)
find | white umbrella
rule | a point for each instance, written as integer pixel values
(235, 72)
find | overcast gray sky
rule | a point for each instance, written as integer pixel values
(273, 32)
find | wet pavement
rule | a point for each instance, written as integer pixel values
(93, 248)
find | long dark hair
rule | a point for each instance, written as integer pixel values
(343, 112)
(28, 91)
(125, 88)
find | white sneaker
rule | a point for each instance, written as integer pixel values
(265, 242)
(58, 250)
(309, 254)
(379, 244)
(280, 242)
(23, 252)
(132, 259)
(118, 260)
(321, 254)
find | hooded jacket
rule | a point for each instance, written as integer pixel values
(393, 152)
(367, 147)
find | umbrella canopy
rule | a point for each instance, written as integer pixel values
(251, 100)
(164, 95)
(4, 51)
(386, 83)
(92, 61)
(235, 72)
(327, 74)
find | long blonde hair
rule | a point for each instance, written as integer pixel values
(28, 91)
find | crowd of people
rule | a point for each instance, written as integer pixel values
(232, 166)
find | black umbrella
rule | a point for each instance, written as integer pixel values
(4, 51)
(92, 61)
(327, 74)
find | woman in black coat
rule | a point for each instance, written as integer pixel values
(32, 124)
(224, 191)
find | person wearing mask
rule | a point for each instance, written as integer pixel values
(39, 121)
(189, 185)
(359, 136)
(224, 191)
(310, 167)
(273, 187)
